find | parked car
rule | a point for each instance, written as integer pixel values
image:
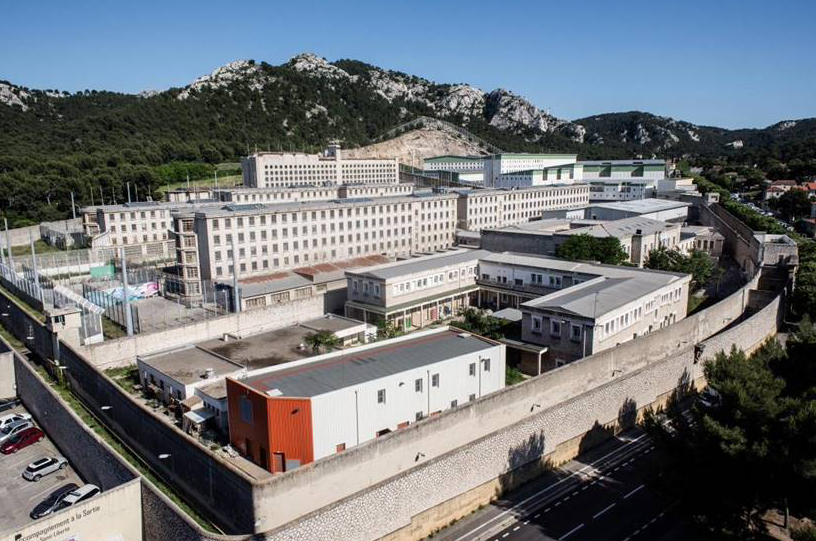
(14, 428)
(80, 494)
(48, 505)
(42, 467)
(9, 418)
(21, 439)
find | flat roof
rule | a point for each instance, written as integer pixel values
(642, 206)
(623, 228)
(366, 364)
(188, 364)
(262, 350)
(332, 323)
(422, 264)
(581, 299)
(250, 209)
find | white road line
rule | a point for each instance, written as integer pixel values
(638, 488)
(526, 522)
(584, 487)
(516, 528)
(590, 466)
(572, 531)
(505, 535)
(574, 493)
(557, 504)
(604, 510)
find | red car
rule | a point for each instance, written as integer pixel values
(22, 439)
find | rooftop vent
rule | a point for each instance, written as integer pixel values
(208, 373)
(463, 334)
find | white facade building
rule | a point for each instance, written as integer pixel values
(286, 169)
(347, 397)
(497, 165)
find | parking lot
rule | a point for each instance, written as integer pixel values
(19, 496)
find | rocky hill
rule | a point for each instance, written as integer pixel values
(53, 142)
(415, 145)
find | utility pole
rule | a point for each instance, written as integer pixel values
(236, 301)
(90, 189)
(188, 182)
(73, 207)
(101, 196)
(8, 246)
(125, 295)
(34, 266)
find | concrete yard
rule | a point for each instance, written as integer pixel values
(160, 313)
(19, 496)
(262, 350)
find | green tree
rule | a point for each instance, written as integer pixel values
(387, 329)
(588, 248)
(321, 341)
(478, 322)
(697, 263)
(793, 204)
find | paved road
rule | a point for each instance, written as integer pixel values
(600, 497)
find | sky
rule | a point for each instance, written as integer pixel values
(711, 62)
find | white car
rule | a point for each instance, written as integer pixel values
(9, 418)
(42, 467)
(79, 495)
(14, 428)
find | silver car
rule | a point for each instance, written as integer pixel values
(14, 428)
(42, 467)
(9, 418)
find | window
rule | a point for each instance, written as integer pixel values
(419, 416)
(418, 385)
(536, 324)
(472, 397)
(555, 327)
(472, 369)
(435, 380)
(486, 365)
(454, 403)
(575, 332)
(245, 407)
(381, 396)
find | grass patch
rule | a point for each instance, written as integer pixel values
(695, 303)
(227, 181)
(40, 247)
(513, 376)
(126, 377)
(11, 339)
(112, 330)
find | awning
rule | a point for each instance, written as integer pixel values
(199, 416)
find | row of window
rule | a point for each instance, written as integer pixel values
(419, 383)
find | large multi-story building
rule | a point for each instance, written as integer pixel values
(412, 294)
(468, 169)
(490, 208)
(626, 301)
(286, 169)
(286, 416)
(517, 170)
(313, 193)
(283, 236)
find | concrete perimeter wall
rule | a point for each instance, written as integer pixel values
(123, 351)
(740, 242)
(425, 497)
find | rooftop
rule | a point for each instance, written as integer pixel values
(422, 264)
(643, 206)
(594, 298)
(339, 370)
(332, 323)
(622, 162)
(264, 349)
(187, 365)
(623, 228)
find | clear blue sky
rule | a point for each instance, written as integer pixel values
(716, 62)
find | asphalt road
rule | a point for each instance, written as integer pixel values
(600, 497)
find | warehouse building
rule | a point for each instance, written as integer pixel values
(287, 169)
(284, 417)
(519, 170)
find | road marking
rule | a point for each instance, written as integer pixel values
(526, 522)
(516, 528)
(604, 510)
(584, 487)
(557, 504)
(505, 535)
(546, 489)
(572, 531)
(539, 514)
(638, 488)
(39, 494)
(574, 493)
(616, 469)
